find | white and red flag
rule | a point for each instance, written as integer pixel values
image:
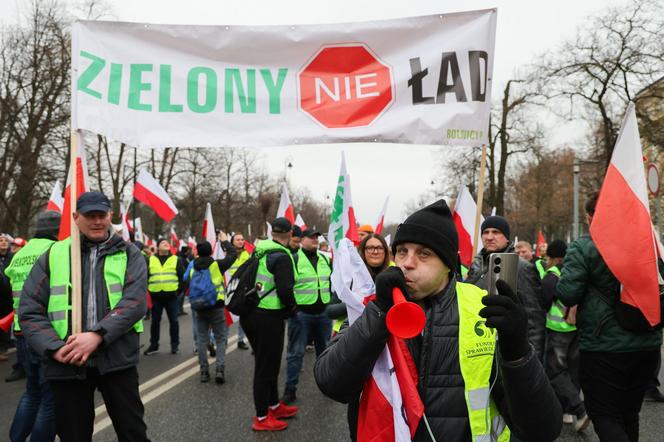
(148, 191)
(56, 201)
(381, 218)
(124, 223)
(540, 240)
(300, 222)
(285, 206)
(623, 207)
(342, 221)
(82, 186)
(390, 406)
(138, 232)
(464, 220)
(210, 233)
(174, 237)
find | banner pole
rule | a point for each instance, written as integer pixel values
(76, 292)
(480, 198)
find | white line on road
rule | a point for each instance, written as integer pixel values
(101, 410)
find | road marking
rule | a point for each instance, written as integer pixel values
(101, 410)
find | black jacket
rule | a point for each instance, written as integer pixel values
(529, 290)
(119, 349)
(281, 266)
(522, 391)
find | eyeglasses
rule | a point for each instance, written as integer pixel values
(375, 249)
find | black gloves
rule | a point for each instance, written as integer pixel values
(505, 313)
(385, 282)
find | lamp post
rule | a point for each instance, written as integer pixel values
(576, 168)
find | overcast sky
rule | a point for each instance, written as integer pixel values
(525, 29)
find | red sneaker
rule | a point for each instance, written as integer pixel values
(283, 411)
(268, 424)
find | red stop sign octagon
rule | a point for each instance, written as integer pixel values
(345, 86)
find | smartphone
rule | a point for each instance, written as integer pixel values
(503, 266)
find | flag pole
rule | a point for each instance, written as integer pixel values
(76, 292)
(480, 198)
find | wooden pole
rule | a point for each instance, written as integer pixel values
(480, 198)
(76, 292)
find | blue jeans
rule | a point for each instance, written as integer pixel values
(35, 413)
(171, 306)
(301, 327)
(216, 320)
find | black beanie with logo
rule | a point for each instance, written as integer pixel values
(432, 227)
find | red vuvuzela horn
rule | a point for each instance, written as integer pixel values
(405, 319)
(6, 322)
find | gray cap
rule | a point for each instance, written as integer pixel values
(48, 224)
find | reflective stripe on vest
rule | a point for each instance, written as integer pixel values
(476, 355)
(216, 277)
(311, 283)
(20, 267)
(241, 259)
(265, 278)
(163, 278)
(59, 305)
(555, 317)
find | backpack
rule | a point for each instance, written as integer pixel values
(202, 292)
(242, 291)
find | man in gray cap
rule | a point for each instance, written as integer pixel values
(35, 413)
(104, 356)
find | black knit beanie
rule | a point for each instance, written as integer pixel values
(433, 227)
(556, 249)
(204, 249)
(497, 222)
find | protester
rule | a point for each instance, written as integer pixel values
(364, 230)
(562, 345)
(183, 256)
(5, 309)
(165, 274)
(425, 247)
(237, 240)
(294, 242)
(525, 250)
(17, 244)
(495, 239)
(615, 365)
(312, 294)
(104, 356)
(212, 317)
(35, 413)
(6, 254)
(265, 326)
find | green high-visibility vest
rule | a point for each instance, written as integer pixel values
(20, 267)
(59, 301)
(311, 283)
(555, 318)
(241, 259)
(539, 265)
(216, 277)
(163, 278)
(477, 345)
(263, 276)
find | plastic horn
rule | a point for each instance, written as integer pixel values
(405, 319)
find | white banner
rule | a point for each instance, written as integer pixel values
(421, 80)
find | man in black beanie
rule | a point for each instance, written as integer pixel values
(496, 239)
(465, 397)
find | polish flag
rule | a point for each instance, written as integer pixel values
(464, 220)
(300, 222)
(381, 218)
(539, 242)
(623, 207)
(285, 206)
(174, 237)
(390, 406)
(268, 230)
(231, 318)
(56, 201)
(148, 191)
(82, 186)
(124, 223)
(342, 222)
(210, 235)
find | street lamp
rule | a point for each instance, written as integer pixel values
(576, 169)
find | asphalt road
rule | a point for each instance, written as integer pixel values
(180, 408)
